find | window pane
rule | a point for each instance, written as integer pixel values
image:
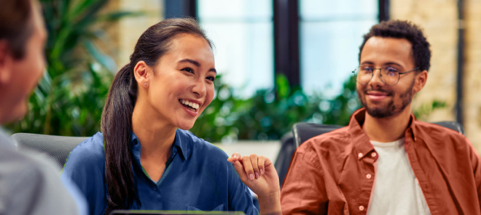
(330, 36)
(241, 31)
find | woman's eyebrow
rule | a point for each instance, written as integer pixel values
(197, 64)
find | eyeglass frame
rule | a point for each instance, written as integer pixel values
(380, 74)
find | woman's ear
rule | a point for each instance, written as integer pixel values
(420, 81)
(142, 74)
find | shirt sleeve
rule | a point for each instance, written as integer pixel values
(240, 196)
(31, 185)
(303, 191)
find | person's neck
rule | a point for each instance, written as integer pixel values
(156, 136)
(6, 109)
(387, 129)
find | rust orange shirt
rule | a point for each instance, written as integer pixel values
(334, 173)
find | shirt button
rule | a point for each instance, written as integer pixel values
(360, 155)
(361, 208)
(373, 154)
(368, 176)
(155, 188)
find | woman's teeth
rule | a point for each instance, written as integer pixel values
(190, 104)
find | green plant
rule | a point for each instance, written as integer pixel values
(70, 97)
(269, 114)
(423, 111)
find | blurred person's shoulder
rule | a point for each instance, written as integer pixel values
(13, 160)
(30, 183)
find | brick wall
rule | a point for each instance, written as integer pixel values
(472, 72)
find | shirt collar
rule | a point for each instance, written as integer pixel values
(180, 145)
(360, 139)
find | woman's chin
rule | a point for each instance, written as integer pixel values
(186, 125)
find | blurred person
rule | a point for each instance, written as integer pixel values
(144, 158)
(385, 161)
(29, 182)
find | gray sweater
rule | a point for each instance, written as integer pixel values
(30, 184)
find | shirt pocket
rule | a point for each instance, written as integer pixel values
(217, 208)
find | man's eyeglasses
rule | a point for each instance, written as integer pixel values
(389, 75)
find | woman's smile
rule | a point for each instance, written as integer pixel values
(191, 107)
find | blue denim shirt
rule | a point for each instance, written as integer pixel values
(197, 177)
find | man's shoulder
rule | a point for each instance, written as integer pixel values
(338, 138)
(333, 145)
(26, 173)
(438, 132)
(16, 161)
(442, 141)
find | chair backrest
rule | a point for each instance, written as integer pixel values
(303, 131)
(452, 125)
(288, 147)
(58, 147)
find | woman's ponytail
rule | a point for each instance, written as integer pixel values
(116, 127)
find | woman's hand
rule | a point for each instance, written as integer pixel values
(259, 174)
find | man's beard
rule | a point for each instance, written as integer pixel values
(390, 109)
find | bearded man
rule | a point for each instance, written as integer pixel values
(385, 161)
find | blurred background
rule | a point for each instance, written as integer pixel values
(279, 62)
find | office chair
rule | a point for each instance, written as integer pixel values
(57, 147)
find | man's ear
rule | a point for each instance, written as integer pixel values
(142, 73)
(6, 61)
(420, 80)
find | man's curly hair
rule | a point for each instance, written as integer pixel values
(403, 30)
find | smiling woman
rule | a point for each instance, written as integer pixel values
(144, 158)
(178, 87)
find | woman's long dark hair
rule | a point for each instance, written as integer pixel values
(117, 114)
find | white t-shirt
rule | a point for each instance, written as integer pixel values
(396, 189)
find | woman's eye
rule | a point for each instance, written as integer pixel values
(211, 78)
(187, 69)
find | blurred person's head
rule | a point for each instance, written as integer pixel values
(394, 59)
(169, 79)
(22, 38)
